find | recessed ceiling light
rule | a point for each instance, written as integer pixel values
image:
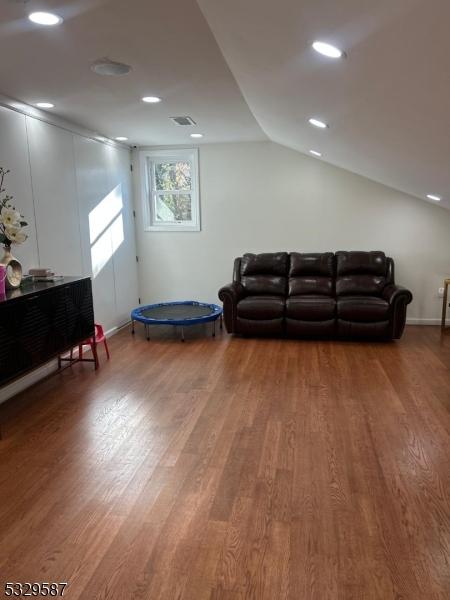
(121, 138)
(151, 99)
(45, 105)
(327, 49)
(196, 135)
(317, 123)
(45, 18)
(433, 197)
(315, 153)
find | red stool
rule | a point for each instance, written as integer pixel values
(99, 338)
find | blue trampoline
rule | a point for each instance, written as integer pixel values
(180, 314)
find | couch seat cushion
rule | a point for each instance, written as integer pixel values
(261, 307)
(367, 309)
(310, 308)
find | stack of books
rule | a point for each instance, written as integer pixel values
(42, 274)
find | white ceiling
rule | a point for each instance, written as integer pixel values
(387, 104)
(244, 70)
(170, 47)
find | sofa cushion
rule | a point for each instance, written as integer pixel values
(315, 285)
(264, 274)
(354, 263)
(311, 274)
(270, 263)
(311, 264)
(261, 307)
(367, 309)
(310, 308)
(361, 273)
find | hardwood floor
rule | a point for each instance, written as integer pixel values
(234, 468)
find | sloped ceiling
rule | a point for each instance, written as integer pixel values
(387, 104)
(245, 70)
(169, 45)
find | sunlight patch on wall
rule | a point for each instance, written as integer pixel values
(103, 214)
(106, 229)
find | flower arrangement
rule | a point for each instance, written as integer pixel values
(11, 221)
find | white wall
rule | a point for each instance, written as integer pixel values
(263, 197)
(58, 178)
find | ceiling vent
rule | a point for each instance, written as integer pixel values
(105, 66)
(183, 121)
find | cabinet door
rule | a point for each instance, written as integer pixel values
(79, 311)
(32, 331)
(55, 199)
(14, 357)
(42, 332)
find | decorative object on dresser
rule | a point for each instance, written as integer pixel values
(41, 321)
(2, 282)
(44, 274)
(11, 232)
(342, 295)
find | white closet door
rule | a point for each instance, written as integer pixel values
(14, 156)
(124, 257)
(55, 199)
(98, 207)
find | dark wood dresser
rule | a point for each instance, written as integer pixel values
(40, 321)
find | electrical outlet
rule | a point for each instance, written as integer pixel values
(440, 292)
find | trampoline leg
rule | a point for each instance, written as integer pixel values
(132, 327)
(147, 332)
(214, 329)
(221, 322)
(182, 334)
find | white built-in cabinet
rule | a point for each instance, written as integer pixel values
(76, 195)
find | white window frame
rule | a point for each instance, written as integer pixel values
(177, 154)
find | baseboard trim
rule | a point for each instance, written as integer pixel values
(414, 321)
(19, 385)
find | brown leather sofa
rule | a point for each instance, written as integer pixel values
(344, 295)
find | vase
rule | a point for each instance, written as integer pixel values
(13, 269)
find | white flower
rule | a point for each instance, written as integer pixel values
(10, 217)
(15, 234)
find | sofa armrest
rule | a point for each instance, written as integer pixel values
(230, 295)
(398, 298)
(392, 293)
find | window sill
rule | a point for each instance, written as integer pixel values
(173, 228)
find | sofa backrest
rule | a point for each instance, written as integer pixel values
(311, 274)
(264, 273)
(360, 273)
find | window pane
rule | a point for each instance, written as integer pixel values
(171, 208)
(173, 176)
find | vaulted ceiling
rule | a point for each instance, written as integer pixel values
(245, 70)
(172, 52)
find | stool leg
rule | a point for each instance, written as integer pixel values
(80, 351)
(94, 352)
(106, 348)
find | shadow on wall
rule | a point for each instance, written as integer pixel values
(106, 229)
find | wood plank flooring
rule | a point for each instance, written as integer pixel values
(234, 468)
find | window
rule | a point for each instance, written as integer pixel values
(170, 190)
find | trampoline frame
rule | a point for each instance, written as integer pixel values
(136, 315)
